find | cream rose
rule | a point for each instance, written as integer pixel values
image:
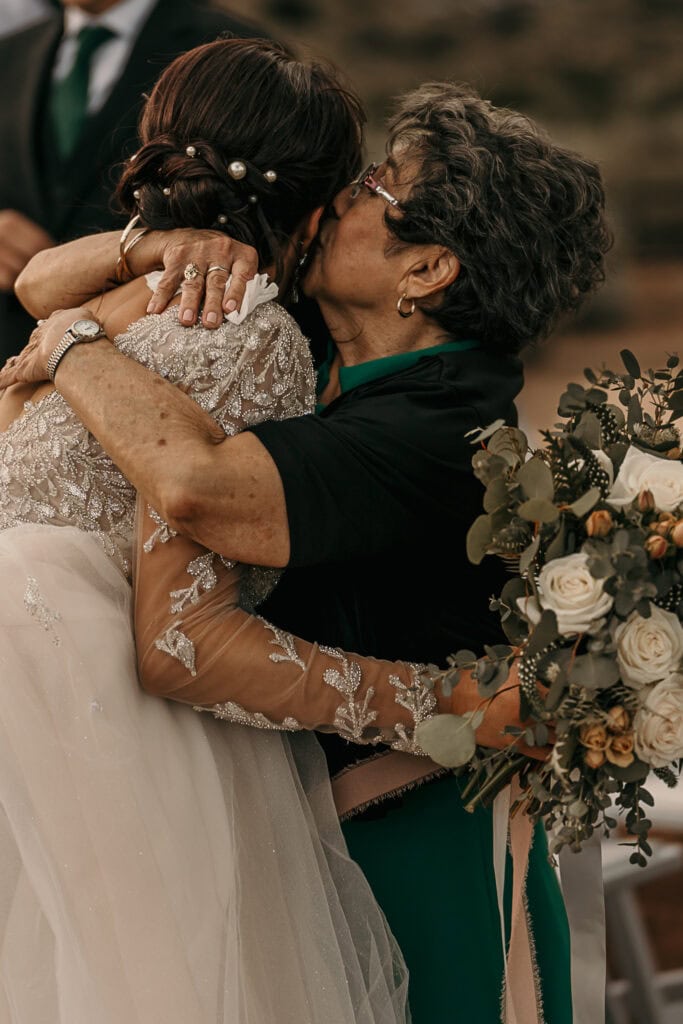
(658, 726)
(567, 588)
(649, 649)
(640, 471)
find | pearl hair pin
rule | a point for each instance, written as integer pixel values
(270, 176)
(136, 193)
(237, 170)
(166, 191)
(222, 219)
(191, 150)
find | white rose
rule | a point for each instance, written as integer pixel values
(641, 471)
(567, 588)
(649, 649)
(658, 726)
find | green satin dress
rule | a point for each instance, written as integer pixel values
(438, 892)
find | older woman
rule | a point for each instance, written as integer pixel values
(431, 272)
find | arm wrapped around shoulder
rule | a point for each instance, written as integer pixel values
(196, 645)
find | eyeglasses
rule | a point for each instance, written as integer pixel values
(368, 180)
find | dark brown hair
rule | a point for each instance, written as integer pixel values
(524, 216)
(242, 100)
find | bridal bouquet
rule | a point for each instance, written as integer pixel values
(591, 527)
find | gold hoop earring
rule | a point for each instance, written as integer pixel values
(399, 306)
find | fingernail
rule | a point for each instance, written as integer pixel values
(152, 306)
(212, 318)
(231, 305)
(188, 316)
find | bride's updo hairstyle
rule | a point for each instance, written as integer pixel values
(240, 137)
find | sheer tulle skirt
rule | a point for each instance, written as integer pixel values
(158, 865)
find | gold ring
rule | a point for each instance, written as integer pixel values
(41, 322)
(217, 266)
(191, 272)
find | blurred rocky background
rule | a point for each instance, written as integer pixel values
(603, 76)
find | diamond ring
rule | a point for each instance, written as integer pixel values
(191, 272)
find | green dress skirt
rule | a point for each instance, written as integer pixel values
(430, 865)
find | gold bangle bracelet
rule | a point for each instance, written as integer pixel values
(131, 245)
(122, 267)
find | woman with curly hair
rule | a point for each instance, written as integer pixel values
(431, 272)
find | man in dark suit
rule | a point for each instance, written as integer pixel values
(75, 82)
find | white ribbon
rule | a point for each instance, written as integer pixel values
(582, 886)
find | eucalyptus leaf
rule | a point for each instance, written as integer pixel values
(487, 466)
(497, 495)
(676, 401)
(493, 681)
(635, 413)
(588, 430)
(585, 503)
(630, 362)
(464, 657)
(510, 444)
(479, 537)
(594, 672)
(637, 771)
(538, 510)
(448, 739)
(536, 480)
(513, 589)
(556, 547)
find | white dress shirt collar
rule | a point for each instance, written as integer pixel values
(125, 18)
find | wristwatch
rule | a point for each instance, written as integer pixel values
(79, 332)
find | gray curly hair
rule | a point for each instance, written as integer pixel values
(524, 216)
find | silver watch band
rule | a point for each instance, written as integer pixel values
(69, 339)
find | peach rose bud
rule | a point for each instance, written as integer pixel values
(656, 546)
(599, 523)
(677, 534)
(594, 736)
(594, 758)
(620, 751)
(618, 719)
(646, 501)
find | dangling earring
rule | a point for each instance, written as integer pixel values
(399, 306)
(296, 278)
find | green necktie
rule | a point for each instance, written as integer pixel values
(69, 97)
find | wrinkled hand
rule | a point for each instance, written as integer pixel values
(20, 240)
(501, 711)
(204, 249)
(30, 366)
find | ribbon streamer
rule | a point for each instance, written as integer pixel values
(521, 1001)
(582, 886)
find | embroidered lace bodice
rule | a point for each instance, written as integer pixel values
(53, 471)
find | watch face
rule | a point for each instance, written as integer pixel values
(86, 328)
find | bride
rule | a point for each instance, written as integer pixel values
(159, 865)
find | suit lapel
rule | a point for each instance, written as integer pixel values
(29, 61)
(104, 136)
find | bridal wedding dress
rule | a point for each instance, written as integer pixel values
(158, 865)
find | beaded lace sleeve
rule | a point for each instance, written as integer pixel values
(202, 648)
(259, 369)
